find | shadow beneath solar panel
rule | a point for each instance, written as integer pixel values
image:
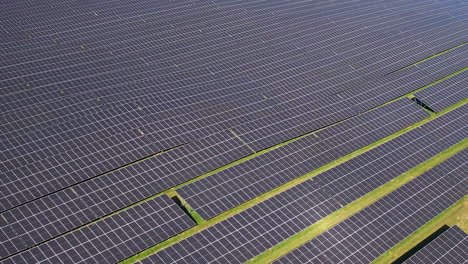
(422, 244)
(186, 210)
(423, 105)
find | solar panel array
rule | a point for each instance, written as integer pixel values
(250, 232)
(111, 134)
(369, 233)
(238, 184)
(449, 247)
(110, 240)
(446, 93)
(106, 104)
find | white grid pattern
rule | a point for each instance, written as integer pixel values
(108, 193)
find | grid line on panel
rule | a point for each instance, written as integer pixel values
(90, 87)
(242, 233)
(388, 161)
(258, 133)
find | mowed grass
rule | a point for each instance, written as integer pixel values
(449, 217)
(433, 56)
(347, 211)
(325, 223)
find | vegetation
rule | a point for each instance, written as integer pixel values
(454, 215)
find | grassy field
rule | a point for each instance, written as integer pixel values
(451, 216)
(347, 211)
(327, 222)
(455, 215)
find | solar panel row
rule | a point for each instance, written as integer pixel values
(143, 10)
(52, 215)
(235, 185)
(125, 201)
(252, 231)
(131, 184)
(112, 239)
(449, 247)
(369, 233)
(387, 88)
(390, 160)
(84, 19)
(444, 94)
(190, 30)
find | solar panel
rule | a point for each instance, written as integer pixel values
(252, 231)
(369, 233)
(259, 135)
(446, 93)
(134, 136)
(41, 220)
(114, 238)
(449, 247)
